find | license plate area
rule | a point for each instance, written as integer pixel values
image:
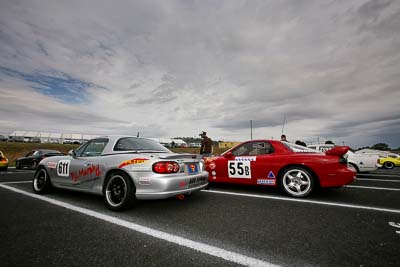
(193, 168)
(197, 181)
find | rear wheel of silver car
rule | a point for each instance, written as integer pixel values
(297, 182)
(41, 181)
(388, 165)
(119, 192)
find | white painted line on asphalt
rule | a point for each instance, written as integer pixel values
(201, 247)
(19, 182)
(377, 180)
(305, 201)
(396, 225)
(370, 174)
(372, 187)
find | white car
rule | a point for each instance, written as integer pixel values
(359, 162)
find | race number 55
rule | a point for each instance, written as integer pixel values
(63, 167)
(239, 169)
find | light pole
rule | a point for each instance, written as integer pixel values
(251, 129)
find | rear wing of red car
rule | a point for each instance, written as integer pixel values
(337, 151)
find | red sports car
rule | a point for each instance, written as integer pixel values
(297, 169)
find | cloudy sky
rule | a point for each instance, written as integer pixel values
(175, 68)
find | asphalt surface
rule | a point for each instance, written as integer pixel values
(352, 226)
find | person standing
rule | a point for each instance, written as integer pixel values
(206, 145)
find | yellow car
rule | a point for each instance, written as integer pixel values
(3, 162)
(390, 161)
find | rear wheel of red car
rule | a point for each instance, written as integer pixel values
(297, 182)
(119, 192)
(41, 181)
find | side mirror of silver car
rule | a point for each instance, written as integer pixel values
(72, 153)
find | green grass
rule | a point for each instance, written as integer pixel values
(14, 150)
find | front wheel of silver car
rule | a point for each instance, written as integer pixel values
(119, 192)
(41, 181)
(297, 182)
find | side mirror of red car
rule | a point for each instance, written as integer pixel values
(228, 155)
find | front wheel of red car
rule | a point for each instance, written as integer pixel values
(41, 181)
(119, 192)
(297, 182)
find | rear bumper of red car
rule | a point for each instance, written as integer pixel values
(338, 177)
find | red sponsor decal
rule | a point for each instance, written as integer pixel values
(182, 184)
(51, 165)
(86, 172)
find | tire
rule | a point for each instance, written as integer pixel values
(119, 191)
(17, 165)
(354, 167)
(297, 182)
(41, 182)
(4, 169)
(388, 165)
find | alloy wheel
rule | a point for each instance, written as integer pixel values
(297, 182)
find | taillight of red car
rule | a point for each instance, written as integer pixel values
(164, 167)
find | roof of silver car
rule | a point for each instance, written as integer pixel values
(109, 149)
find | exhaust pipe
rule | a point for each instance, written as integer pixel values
(180, 197)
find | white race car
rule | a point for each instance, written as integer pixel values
(359, 162)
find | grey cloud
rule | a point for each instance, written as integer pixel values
(372, 9)
(216, 64)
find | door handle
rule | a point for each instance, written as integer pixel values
(87, 164)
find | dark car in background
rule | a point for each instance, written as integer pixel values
(32, 159)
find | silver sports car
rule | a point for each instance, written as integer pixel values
(122, 169)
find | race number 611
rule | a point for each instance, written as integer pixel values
(239, 169)
(63, 168)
